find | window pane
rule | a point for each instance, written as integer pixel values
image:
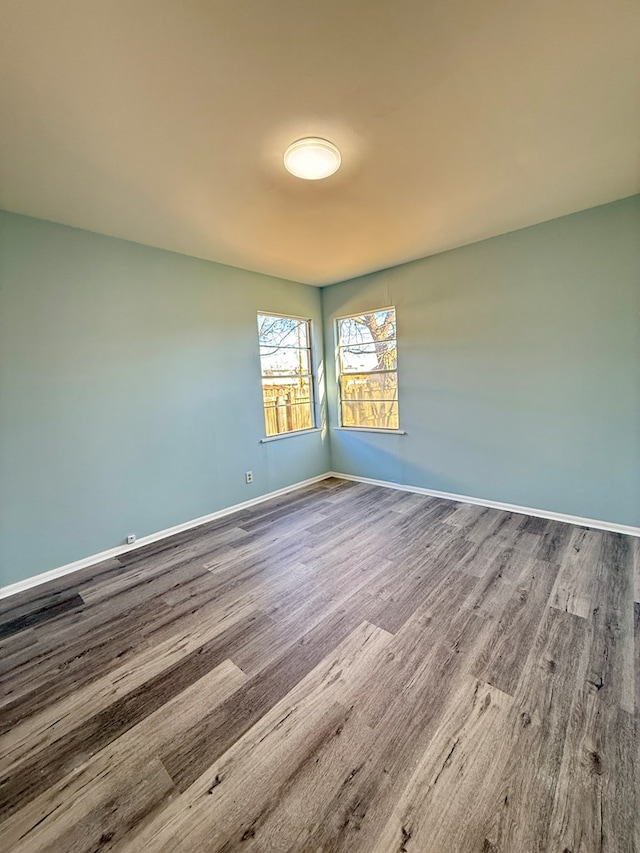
(285, 417)
(281, 360)
(369, 386)
(368, 357)
(282, 331)
(291, 390)
(365, 413)
(357, 358)
(287, 382)
(366, 328)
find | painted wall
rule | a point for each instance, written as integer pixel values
(519, 368)
(130, 385)
(130, 393)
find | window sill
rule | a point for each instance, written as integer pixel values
(288, 434)
(371, 429)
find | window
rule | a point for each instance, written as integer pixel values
(368, 370)
(287, 381)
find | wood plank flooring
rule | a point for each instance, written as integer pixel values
(344, 668)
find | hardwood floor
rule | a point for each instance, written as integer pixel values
(345, 668)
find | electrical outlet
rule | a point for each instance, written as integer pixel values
(248, 477)
(131, 538)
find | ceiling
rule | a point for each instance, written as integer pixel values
(165, 121)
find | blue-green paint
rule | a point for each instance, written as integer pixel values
(130, 381)
(519, 368)
(130, 395)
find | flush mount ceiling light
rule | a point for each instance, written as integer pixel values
(312, 158)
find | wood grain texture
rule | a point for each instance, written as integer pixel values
(24, 616)
(575, 586)
(344, 668)
(463, 756)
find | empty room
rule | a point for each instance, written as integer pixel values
(319, 426)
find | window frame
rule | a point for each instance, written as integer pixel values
(340, 374)
(310, 376)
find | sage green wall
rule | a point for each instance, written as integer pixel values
(129, 392)
(519, 364)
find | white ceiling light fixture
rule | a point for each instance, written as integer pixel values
(312, 158)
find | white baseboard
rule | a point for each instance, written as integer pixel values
(524, 510)
(67, 569)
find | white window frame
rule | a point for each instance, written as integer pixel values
(340, 374)
(310, 377)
